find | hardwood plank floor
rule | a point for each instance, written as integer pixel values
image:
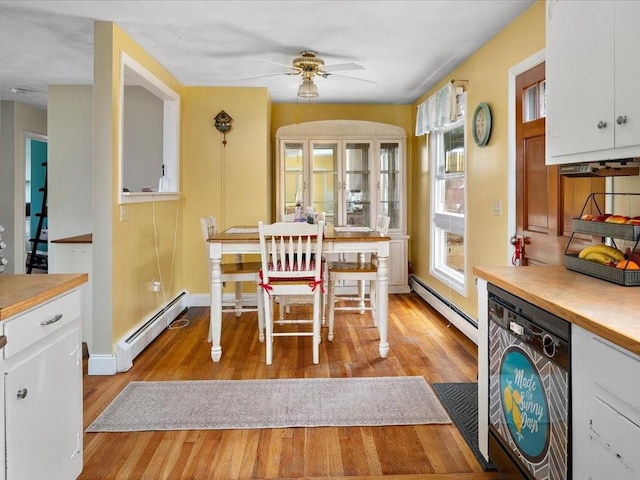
(421, 344)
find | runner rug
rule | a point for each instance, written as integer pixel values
(274, 403)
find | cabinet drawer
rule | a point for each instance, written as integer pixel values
(613, 449)
(611, 368)
(27, 328)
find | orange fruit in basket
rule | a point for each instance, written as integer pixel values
(628, 264)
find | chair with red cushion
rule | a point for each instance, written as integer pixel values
(361, 272)
(291, 255)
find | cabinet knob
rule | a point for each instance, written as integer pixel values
(22, 393)
(621, 119)
(601, 124)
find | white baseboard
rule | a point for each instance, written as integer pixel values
(137, 339)
(101, 365)
(455, 318)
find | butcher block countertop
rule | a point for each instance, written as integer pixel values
(610, 311)
(19, 293)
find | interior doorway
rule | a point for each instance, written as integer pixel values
(34, 208)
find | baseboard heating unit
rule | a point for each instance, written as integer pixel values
(138, 339)
(448, 310)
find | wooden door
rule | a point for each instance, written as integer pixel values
(546, 202)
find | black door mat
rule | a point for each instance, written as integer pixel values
(461, 402)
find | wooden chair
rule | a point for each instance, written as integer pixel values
(362, 272)
(238, 273)
(285, 303)
(291, 255)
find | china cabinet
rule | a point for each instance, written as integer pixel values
(351, 170)
(591, 61)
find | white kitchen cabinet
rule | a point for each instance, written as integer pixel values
(73, 256)
(606, 409)
(42, 391)
(593, 105)
(351, 170)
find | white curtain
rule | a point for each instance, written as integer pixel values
(437, 111)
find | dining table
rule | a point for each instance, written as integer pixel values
(245, 240)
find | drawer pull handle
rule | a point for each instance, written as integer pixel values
(22, 393)
(3, 341)
(51, 320)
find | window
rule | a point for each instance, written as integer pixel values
(150, 136)
(447, 158)
(534, 102)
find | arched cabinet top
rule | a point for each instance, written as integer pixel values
(341, 129)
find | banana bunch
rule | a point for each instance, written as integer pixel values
(601, 253)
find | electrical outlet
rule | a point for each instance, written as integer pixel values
(124, 213)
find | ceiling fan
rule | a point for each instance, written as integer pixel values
(308, 65)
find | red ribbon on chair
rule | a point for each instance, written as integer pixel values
(264, 286)
(314, 284)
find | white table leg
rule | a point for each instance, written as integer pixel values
(216, 309)
(361, 285)
(382, 284)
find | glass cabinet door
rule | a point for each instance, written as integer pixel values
(389, 201)
(323, 195)
(357, 186)
(293, 175)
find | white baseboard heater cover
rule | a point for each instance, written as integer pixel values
(138, 339)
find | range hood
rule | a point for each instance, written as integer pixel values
(610, 168)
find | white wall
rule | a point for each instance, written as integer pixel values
(70, 118)
(142, 134)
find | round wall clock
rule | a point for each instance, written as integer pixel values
(482, 124)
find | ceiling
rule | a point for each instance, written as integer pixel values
(405, 47)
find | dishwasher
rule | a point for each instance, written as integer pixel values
(529, 387)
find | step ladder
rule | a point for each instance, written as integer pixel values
(34, 259)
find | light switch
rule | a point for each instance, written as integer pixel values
(124, 213)
(497, 208)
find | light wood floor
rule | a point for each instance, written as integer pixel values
(421, 344)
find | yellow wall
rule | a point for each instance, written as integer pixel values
(230, 182)
(486, 167)
(144, 248)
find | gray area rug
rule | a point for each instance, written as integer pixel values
(275, 403)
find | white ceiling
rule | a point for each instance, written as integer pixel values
(405, 47)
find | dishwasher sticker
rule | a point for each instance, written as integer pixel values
(524, 404)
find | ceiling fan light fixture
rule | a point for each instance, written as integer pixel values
(307, 88)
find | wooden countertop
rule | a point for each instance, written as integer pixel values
(22, 292)
(85, 238)
(606, 309)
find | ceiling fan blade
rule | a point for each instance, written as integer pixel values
(268, 75)
(326, 74)
(278, 64)
(342, 67)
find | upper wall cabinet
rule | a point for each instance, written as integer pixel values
(351, 170)
(593, 104)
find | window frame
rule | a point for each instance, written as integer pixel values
(441, 221)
